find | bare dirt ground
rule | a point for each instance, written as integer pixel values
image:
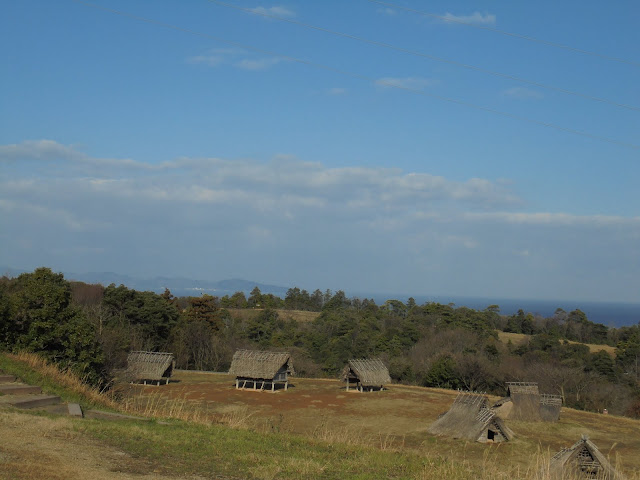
(33, 447)
(395, 418)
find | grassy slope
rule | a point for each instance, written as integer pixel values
(517, 338)
(178, 448)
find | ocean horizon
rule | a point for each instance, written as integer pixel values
(611, 314)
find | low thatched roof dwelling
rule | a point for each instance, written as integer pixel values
(150, 366)
(470, 418)
(550, 406)
(255, 367)
(524, 402)
(366, 374)
(582, 460)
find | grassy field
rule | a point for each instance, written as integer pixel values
(517, 338)
(390, 421)
(297, 315)
(204, 428)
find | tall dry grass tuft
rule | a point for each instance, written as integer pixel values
(63, 377)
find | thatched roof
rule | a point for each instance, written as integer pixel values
(370, 372)
(150, 365)
(528, 404)
(469, 417)
(582, 460)
(260, 364)
(530, 388)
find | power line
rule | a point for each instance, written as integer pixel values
(359, 76)
(425, 55)
(509, 34)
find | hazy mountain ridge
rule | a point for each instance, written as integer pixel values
(179, 286)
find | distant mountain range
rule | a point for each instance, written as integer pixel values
(179, 286)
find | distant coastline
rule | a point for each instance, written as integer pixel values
(611, 314)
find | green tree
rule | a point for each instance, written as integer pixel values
(43, 320)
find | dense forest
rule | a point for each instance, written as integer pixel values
(91, 328)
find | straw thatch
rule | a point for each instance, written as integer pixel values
(582, 460)
(526, 388)
(550, 406)
(367, 373)
(524, 402)
(154, 366)
(470, 418)
(259, 365)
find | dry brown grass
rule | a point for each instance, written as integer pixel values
(64, 378)
(301, 316)
(518, 338)
(37, 448)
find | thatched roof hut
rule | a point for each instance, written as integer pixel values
(366, 374)
(582, 460)
(470, 418)
(524, 402)
(258, 367)
(550, 406)
(150, 366)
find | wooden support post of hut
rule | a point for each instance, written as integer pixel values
(470, 418)
(150, 366)
(582, 460)
(265, 368)
(366, 374)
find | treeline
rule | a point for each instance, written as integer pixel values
(91, 328)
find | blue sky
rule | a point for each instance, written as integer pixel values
(213, 142)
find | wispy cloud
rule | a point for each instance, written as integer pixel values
(523, 93)
(237, 57)
(337, 91)
(411, 83)
(38, 149)
(90, 212)
(475, 18)
(209, 60)
(387, 11)
(258, 64)
(278, 11)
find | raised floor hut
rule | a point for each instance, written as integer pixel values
(264, 369)
(366, 375)
(150, 366)
(471, 418)
(582, 460)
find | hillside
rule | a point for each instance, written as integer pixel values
(301, 316)
(518, 338)
(314, 430)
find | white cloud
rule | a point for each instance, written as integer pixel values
(358, 224)
(257, 64)
(555, 219)
(523, 93)
(387, 11)
(475, 18)
(409, 83)
(278, 11)
(209, 60)
(337, 91)
(37, 149)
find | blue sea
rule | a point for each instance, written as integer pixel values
(611, 314)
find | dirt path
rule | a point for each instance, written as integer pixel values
(34, 447)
